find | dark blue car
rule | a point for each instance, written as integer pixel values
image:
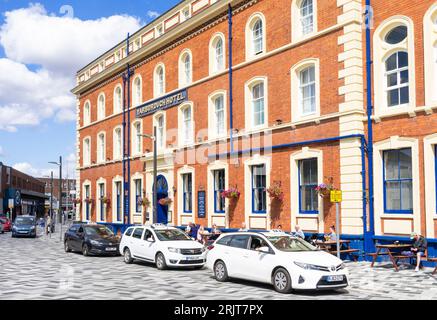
(24, 226)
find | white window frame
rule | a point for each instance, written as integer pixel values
(86, 113)
(430, 143)
(250, 54)
(134, 177)
(297, 33)
(213, 65)
(184, 79)
(182, 141)
(214, 217)
(156, 82)
(430, 58)
(183, 216)
(97, 200)
(87, 151)
(212, 119)
(381, 52)
(87, 183)
(101, 109)
(118, 108)
(137, 93)
(137, 145)
(160, 146)
(114, 200)
(116, 155)
(101, 154)
(296, 106)
(249, 103)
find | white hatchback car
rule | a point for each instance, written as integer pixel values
(162, 245)
(275, 258)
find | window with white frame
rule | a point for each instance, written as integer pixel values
(398, 181)
(138, 190)
(101, 148)
(394, 53)
(255, 36)
(87, 205)
(258, 104)
(217, 54)
(187, 182)
(304, 18)
(101, 107)
(219, 187)
(259, 192)
(137, 145)
(307, 91)
(87, 151)
(118, 200)
(118, 96)
(308, 178)
(137, 94)
(87, 113)
(307, 16)
(430, 58)
(186, 125)
(159, 83)
(219, 115)
(160, 131)
(185, 69)
(117, 143)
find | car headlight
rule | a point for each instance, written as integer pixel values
(32, 228)
(95, 242)
(203, 249)
(308, 266)
(174, 250)
(342, 266)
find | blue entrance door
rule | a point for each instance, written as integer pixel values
(162, 192)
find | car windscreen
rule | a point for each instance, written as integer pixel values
(98, 231)
(290, 244)
(24, 221)
(171, 235)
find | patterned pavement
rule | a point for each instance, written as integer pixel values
(40, 269)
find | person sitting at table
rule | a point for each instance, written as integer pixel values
(215, 232)
(298, 233)
(191, 230)
(243, 227)
(331, 236)
(419, 247)
(201, 234)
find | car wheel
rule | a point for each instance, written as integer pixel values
(85, 250)
(160, 262)
(220, 271)
(282, 281)
(67, 247)
(127, 256)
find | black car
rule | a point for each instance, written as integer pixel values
(91, 240)
(24, 226)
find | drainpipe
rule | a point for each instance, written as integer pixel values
(368, 236)
(231, 97)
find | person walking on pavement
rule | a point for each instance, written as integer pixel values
(48, 225)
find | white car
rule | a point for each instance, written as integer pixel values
(162, 245)
(279, 259)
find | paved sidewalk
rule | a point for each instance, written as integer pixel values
(40, 269)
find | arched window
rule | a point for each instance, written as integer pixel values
(396, 73)
(137, 95)
(186, 125)
(185, 69)
(101, 147)
(160, 131)
(430, 58)
(217, 127)
(307, 16)
(159, 81)
(117, 143)
(217, 53)
(255, 36)
(87, 113)
(307, 91)
(118, 104)
(87, 151)
(219, 113)
(256, 103)
(137, 140)
(101, 107)
(394, 59)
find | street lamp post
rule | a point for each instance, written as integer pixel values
(60, 194)
(155, 172)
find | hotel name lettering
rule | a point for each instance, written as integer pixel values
(162, 103)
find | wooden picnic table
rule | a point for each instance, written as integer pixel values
(327, 246)
(390, 250)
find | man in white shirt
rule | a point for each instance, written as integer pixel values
(298, 232)
(243, 227)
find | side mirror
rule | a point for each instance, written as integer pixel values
(264, 250)
(150, 239)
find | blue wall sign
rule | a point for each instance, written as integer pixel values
(163, 103)
(201, 204)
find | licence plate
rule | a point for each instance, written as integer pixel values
(334, 278)
(191, 258)
(111, 249)
(23, 231)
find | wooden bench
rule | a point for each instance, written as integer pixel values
(355, 257)
(433, 260)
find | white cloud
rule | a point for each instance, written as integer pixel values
(68, 168)
(153, 14)
(58, 46)
(2, 153)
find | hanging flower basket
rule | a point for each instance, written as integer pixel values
(77, 201)
(165, 201)
(275, 192)
(324, 189)
(143, 202)
(231, 194)
(89, 200)
(106, 200)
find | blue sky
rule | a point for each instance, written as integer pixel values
(35, 131)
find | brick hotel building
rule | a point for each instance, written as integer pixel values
(270, 93)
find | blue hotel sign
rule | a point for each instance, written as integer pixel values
(201, 204)
(163, 103)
